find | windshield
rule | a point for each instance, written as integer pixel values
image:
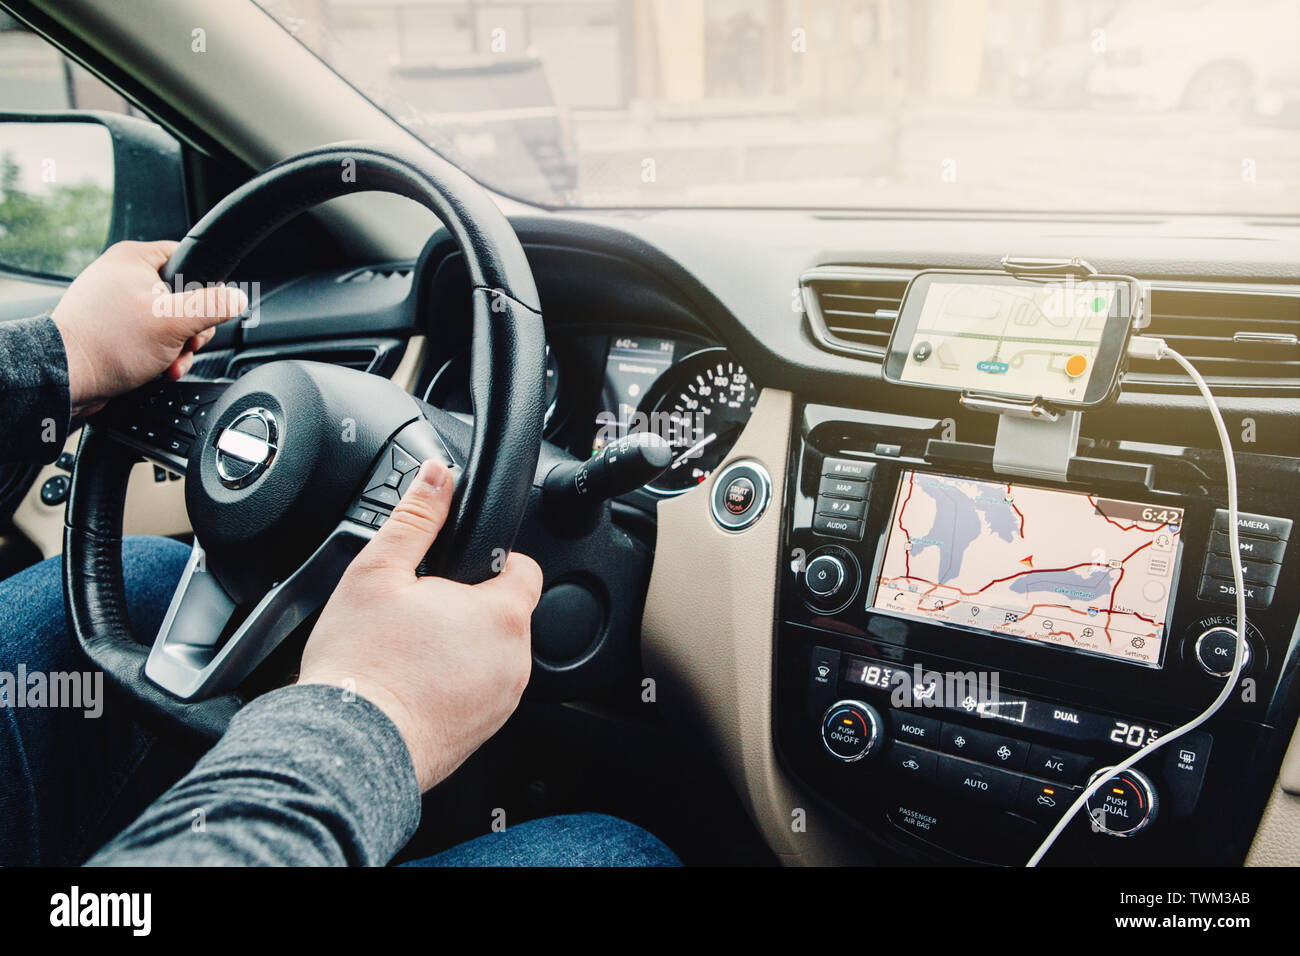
(1112, 106)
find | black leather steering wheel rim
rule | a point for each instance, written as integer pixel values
(507, 389)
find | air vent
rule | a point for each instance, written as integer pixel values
(365, 356)
(1235, 336)
(852, 311)
(379, 273)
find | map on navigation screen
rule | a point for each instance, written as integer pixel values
(1030, 339)
(1057, 567)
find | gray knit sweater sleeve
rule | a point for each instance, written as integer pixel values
(34, 400)
(307, 775)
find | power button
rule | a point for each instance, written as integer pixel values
(740, 495)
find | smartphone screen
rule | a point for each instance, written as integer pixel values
(1059, 339)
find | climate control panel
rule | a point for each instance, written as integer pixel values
(1095, 614)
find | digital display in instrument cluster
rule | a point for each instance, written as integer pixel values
(1063, 568)
(632, 365)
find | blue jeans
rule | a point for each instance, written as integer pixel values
(70, 781)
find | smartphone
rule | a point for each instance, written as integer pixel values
(1056, 339)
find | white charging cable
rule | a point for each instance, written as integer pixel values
(1149, 347)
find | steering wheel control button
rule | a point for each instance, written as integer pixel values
(740, 495)
(364, 516)
(55, 490)
(164, 416)
(1216, 649)
(825, 576)
(1123, 805)
(850, 729)
(246, 447)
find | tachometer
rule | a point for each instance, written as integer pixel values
(701, 405)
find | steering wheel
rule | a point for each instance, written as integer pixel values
(292, 468)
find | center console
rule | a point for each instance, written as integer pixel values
(959, 653)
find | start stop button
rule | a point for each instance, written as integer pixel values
(740, 495)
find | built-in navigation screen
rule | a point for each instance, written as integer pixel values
(1063, 568)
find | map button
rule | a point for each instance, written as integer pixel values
(843, 487)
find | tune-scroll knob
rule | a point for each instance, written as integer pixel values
(850, 729)
(825, 576)
(1124, 804)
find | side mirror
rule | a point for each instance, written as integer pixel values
(74, 183)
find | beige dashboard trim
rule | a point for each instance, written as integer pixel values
(707, 640)
(1277, 840)
(152, 507)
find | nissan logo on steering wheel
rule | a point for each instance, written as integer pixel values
(246, 447)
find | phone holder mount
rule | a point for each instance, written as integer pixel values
(1034, 439)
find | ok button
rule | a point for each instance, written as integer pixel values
(1216, 649)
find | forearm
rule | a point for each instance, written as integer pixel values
(305, 776)
(34, 399)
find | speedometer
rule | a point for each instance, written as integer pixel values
(700, 405)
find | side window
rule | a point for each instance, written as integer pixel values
(36, 76)
(56, 177)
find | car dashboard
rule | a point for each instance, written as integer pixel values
(777, 627)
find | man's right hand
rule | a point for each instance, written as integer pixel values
(446, 662)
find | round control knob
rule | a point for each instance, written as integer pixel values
(850, 730)
(1216, 649)
(1123, 805)
(824, 576)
